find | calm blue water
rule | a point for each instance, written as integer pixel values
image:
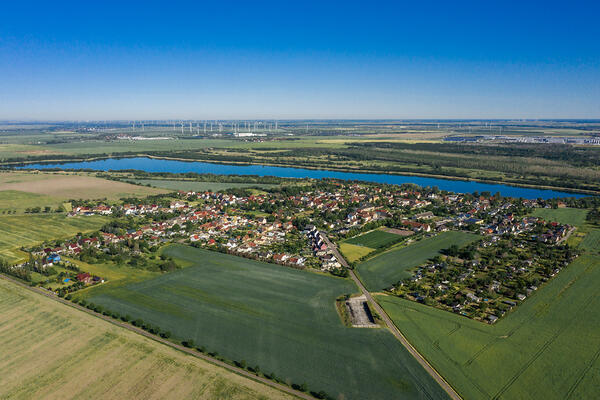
(154, 165)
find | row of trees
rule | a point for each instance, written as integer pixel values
(189, 343)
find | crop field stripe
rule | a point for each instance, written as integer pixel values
(563, 311)
(583, 374)
(17, 231)
(540, 351)
(109, 356)
(561, 329)
(447, 356)
(249, 310)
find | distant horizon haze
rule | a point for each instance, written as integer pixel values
(283, 120)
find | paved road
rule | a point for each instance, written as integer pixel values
(157, 338)
(391, 326)
(566, 237)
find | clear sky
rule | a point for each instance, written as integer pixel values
(299, 59)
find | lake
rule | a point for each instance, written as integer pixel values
(157, 165)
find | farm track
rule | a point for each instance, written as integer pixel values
(583, 374)
(166, 342)
(392, 327)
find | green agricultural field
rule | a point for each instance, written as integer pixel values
(27, 230)
(200, 186)
(374, 239)
(353, 252)
(548, 348)
(16, 201)
(571, 216)
(388, 268)
(591, 242)
(53, 351)
(281, 319)
(124, 146)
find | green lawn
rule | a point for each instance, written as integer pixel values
(278, 318)
(571, 216)
(374, 239)
(200, 186)
(353, 252)
(114, 274)
(28, 230)
(388, 268)
(548, 348)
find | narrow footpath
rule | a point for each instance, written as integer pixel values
(390, 324)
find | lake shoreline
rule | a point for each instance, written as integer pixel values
(567, 192)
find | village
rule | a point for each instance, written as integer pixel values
(490, 276)
(288, 227)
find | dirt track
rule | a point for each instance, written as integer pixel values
(392, 327)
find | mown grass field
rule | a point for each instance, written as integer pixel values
(199, 186)
(548, 348)
(354, 252)
(52, 351)
(278, 318)
(374, 239)
(571, 216)
(27, 230)
(388, 268)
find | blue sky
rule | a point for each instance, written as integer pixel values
(260, 59)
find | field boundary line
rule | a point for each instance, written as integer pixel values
(148, 335)
(393, 328)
